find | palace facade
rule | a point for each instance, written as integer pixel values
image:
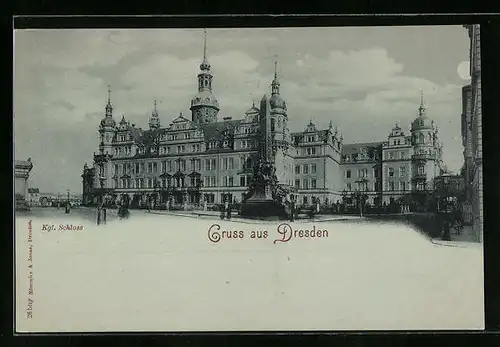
(472, 136)
(202, 158)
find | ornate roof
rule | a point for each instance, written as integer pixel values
(180, 119)
(422, 121)
(108, 121)
(352, 148)
(252, 109)
(205, 98)
(216, 131)
(277, 103)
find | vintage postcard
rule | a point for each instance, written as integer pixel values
(265, 179)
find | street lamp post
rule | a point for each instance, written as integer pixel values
(157, 193)
(101, 212)
(67, 203)
(360, 192)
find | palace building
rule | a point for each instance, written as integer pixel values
(201, 158)
(472, 136)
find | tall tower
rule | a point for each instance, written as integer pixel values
(425, 155)
(278, 112)
(265, 152)
(154, 120)
(102, 160)
(204, 105)
(279, 132)
(107, 127)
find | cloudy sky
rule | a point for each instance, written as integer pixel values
(363, 79)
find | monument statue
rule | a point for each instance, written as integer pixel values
(262, 200)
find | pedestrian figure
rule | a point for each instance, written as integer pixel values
(121, 211)
(292, 211)
(104, 215)
(98, 215)
(228, 210)
(446, 228)
(222, 212)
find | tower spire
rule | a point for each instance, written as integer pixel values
(275, 85)
(205, 44)
(109, 107)
(422, 104)
(275, 66)
(205, 66)
(154, 121)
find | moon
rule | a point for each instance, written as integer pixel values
(463, 70)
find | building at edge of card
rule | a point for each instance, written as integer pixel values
(472, 128)
(199, 159)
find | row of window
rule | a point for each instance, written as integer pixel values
(362, 173)
(400, 142)
(180, 136)
(209, 164)
(392, 155)
(420, 138)
(208, 181)
(402, 171)
(363, 186)
(306, 183)
(123, 150)
(305, 169)
(375, 186)
(315, 138)
(361, 156)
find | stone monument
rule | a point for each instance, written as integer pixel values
(261, 202)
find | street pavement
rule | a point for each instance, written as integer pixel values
(87, 213)
(90, 214)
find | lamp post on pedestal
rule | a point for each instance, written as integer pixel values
(101, 210)
(156, 189)
(67, 203)
(361, 195)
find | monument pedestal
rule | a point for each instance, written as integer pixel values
(261, 205)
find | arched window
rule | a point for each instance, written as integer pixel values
(421, 138)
